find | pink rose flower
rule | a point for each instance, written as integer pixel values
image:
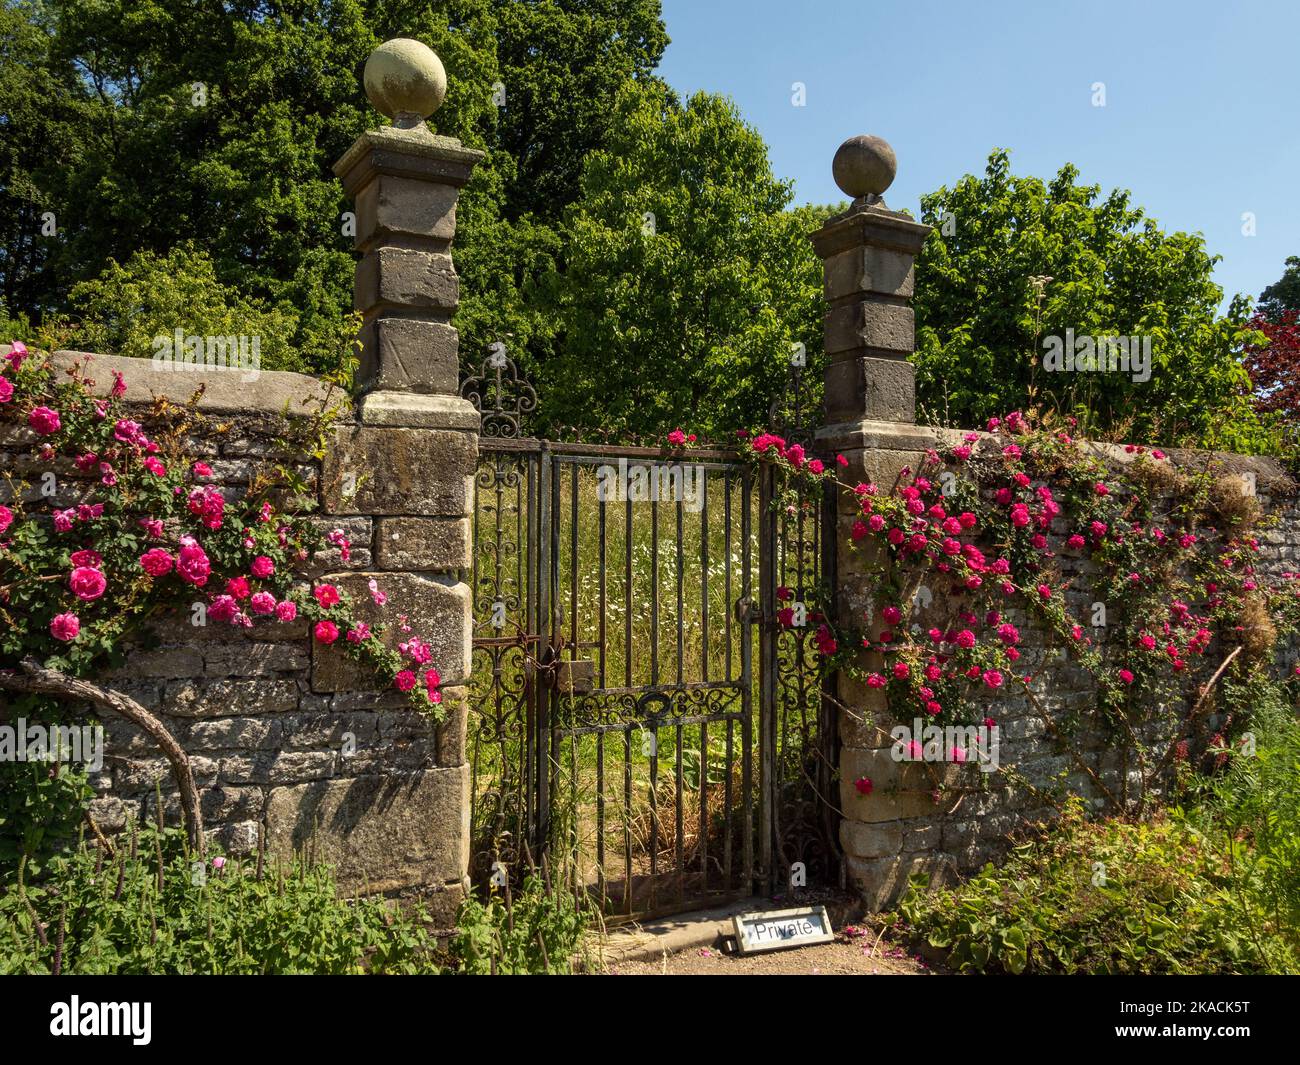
(155, 467)
(262, 567)
(223, 608)
(44, 421)
(65, 627)
(6, 517)
(6, 390)
(326, 595)
(993, 678)
(87, 583)
(286, 610)
(326, 632)
(262, 603)
(192, 564)
(17, 353)
(404, 681)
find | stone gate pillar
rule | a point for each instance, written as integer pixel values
(400, 480)
(870, 414)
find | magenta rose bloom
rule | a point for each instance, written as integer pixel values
(93, 559)
(157, 562)
(6, 517)
(262, 567)
(326, 632)
(87, 583)
(6, 390)
(405, 680)
(192, 564)
(326, 594)
(44, 421)
(223, 608)
(238, 587)
(262, 603)
(65, 627)
(287, 610)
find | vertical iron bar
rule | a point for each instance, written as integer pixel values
(654, 593)
(681, 618)
(627, 591)
(680, 864)
(747, 682)
(704, 576)
(767, 656)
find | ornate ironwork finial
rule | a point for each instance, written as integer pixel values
(502, 397)
(790, 415)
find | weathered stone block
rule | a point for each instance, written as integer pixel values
(249, 659)
(381, 833)
(883, 881)
(230, 698)
(868, 324)
(405, 277)
(871, 841)
(866, 387)
(438, 611)
(409, 355)
(443, 544)
(395, 206)
(231, 733)
(871, 269)
(423, 472)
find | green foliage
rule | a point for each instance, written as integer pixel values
(150, 296)
(1284, 294)
(1114, 273)
(41, 805)
(1257, 800)
(686, 280)
(146, 125)
(155, 907)
(536, 930)
(1108, 897)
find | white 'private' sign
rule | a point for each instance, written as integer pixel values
(779, 929)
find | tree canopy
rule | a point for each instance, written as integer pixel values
(1113, 273)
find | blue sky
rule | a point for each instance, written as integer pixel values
(1201, 122)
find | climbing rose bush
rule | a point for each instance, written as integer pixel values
(968, 550)
(108, 526)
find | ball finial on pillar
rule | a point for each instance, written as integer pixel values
(864, 167)
(405, 80)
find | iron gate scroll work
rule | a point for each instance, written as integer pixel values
(622, 723)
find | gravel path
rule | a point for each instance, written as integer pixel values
(850, 955)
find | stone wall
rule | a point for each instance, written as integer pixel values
(905, 826)
(289, 743)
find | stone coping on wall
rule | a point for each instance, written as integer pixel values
(230, 390)
(1271, 473)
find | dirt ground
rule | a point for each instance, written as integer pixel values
(855, 952)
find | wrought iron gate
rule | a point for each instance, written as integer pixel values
(640, 716)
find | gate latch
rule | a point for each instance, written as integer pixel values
(575, 676)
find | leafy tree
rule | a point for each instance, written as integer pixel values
(686, 280)
(1274, 365)
(127, 307)
(149, 123)
(1284, 294)
(1274, 362)
(1113, 272)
